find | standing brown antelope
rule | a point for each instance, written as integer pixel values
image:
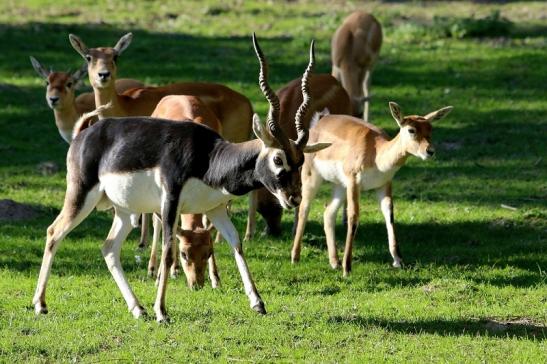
(145, 165)
(230, 107)
(325, 92)
(60, 96)
(361, 158)
(355, 47)
(195, 244)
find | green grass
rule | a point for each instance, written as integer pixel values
(471, 264)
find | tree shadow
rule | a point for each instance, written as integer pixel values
(522, 329)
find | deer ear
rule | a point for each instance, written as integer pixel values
(78, 45)
(439, 114)
(312, 148)
(261, 132)
(39, 68)
(396, 113)
(78, 75)
(123, 43)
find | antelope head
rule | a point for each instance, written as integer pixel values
(278, 164)
(415, 130)
(101, 62)
(60, 86)
(195, 247)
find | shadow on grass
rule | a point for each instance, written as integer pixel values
(522, 329)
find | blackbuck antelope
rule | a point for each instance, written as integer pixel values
(195, 244)
(60, 95)
(145, 165)
(361, 158)
(355, 47)
(325, 92)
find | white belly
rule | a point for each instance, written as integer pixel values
(140, 192)
(197, 197)
(134, 191)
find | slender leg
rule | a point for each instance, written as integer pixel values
(366, 87)
(353, 192)
(121, 226)
(213, 271)
(251, 217)
(220, 219)
(329, 222)
(145, 221)
(71, 216)
(311, 181)
(169, 217)
(153, 261)
(386, 205)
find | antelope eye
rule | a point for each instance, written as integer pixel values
(69, 84)
(47, 83)
(115, 58)
(412, 131)
(184, 256)
(88, 57)
(278, 161)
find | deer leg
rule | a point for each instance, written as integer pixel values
(329, 223)
(121, 226)
(220, 219)
(153, 261)
(213, 271)
(386, 205)
(77, 206)
(251, 217)
(169, 219)
(366, 94)
(353, 192)
(145, 219)
(311, 181)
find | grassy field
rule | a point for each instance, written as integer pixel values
(474, 288)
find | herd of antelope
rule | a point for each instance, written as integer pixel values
(177, 154)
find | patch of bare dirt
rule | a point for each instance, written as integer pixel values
(14, 211)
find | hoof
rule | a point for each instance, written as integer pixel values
(259, 307)
(138, 312)
(397, 264)
(163, 319)
(40, 309)
(295, 260)
(335, 264)
(151, 273)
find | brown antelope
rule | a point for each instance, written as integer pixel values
(146, 165)
(60, 95)
(230, 107)
(195, 244)
(361, 158)
(325, 92)
(355, 47)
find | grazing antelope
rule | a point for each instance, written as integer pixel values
(195, 244)
(60, 95)
(230, 107)
(145, 165)
(325, 92)
(361, 158)
(355, 47)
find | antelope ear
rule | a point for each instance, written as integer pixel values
(123, 43)
(261, 132)
(396, 113)
(78, 75)
(312, 148)
(78, 45)
(439, 114)
(39, 68)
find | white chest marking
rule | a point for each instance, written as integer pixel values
(369, 178)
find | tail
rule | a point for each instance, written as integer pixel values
(88, 119)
